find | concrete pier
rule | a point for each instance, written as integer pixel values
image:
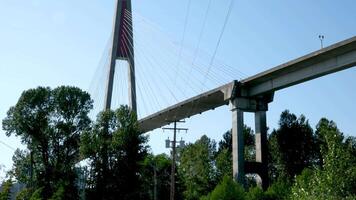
(258, 106)
(238, 157)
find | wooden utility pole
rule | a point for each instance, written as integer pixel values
(173, 169)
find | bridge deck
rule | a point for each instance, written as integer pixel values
(328, 60)
(336, 57)
(198, 104)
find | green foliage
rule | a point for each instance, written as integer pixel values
(227, 190)
(279, 190)
(224, 153)
(336, 179)
(24, 194)
(224, 163)
(21, 166)
(156, 174)
(249, 139)
(292, 146)
(59, 194)
(5, 193)
(255, 193)
(37, 194)
(49, 122)
(116, 151)
(197, 168)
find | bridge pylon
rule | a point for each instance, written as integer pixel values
(122, 48)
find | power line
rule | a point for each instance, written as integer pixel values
(220, 37)
(182, 41)
(8, 146)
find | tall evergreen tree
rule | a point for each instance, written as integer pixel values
(292, 146)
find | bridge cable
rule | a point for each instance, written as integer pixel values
(174, 46)
(200, 36)
(126, 38)
(215, 51)
(128, 52)
(220, 36)
(159, 70)
(183, 38)
(187, 73)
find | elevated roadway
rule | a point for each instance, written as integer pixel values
(334, 58)
(337, 57)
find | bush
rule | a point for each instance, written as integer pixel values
(279, 190)
(227, 190)
(255, 193)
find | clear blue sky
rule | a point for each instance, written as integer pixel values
(52, 43)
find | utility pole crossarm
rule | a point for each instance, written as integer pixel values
(177, 129)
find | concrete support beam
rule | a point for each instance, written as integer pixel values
(261, 146)
(238, 158)
(334, 58)
(259, 106)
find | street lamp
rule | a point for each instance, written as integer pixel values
(321, 38)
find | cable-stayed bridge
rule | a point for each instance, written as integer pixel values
(248, 94)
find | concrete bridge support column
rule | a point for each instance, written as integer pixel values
(259, 106)
(261, 146)
(238, 158)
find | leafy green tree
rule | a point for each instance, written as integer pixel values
(50, 122)
(336, 178)
(227, 190)
(279, 190)
(24, 194)
(224, 153)
(197, 169)
(223, 163)
(156, 174)
(21, 166)
(5, 193)
(292, 146)
(116, 151)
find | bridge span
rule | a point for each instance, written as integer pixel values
(253, 94)
(336, 57)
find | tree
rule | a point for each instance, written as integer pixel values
(50, 122)
(156, 174)
(5, 193)
(224, 153)
(336, 178)
(197, 169)
(292, 146)
(116, 151)
(228, 189)
(21, 166)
